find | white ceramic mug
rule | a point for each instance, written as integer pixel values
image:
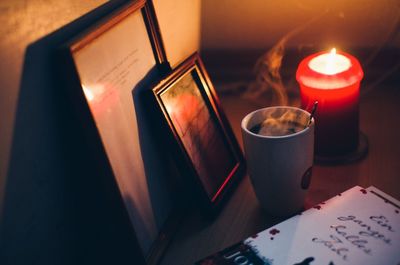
(280, 167)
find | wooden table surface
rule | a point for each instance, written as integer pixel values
(242, 215)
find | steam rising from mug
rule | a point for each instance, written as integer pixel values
(281, 122)
(268, 78)
(268, 75)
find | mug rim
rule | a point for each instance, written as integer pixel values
(251, 114)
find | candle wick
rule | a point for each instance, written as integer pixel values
(312, 112)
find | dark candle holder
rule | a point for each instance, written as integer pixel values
(358, 154)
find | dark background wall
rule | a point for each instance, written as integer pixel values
(259, 24)
(25, 22)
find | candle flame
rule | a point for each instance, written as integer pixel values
(330, 64)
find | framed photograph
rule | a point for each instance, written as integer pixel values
(112, 64)
(201, 132)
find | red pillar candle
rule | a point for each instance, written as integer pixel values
(332, 79)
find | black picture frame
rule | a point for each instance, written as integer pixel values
(77, 69)
(202, 137)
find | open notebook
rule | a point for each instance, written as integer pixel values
(358, 226)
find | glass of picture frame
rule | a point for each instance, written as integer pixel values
(206, 146)
(107, 68)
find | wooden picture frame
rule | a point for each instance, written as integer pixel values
(203, 138)
(107, 69)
